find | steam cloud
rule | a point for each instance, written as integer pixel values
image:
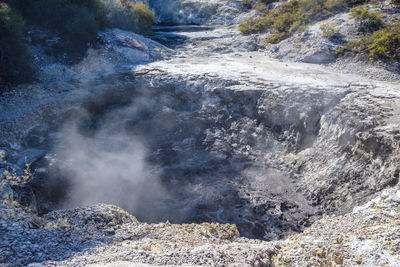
(109, 166)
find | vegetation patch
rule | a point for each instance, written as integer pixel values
(329, 32)
(383, 44)
(369, 21)
(294, 16)
(76, 22)
(14, 57)
(128, 15)
(381, 41)
(247, 3)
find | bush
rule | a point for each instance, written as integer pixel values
(329, 32)
(369, 21)
(383, 44)
(14, 58)
(129, 15)
(335, 4)
(79, 21)
(295, 16)
(275, 38)
(261, 5)
(247, 3)
(141, 17)
(76, 21)
(252, 25)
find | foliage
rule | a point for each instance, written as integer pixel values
(76, 21)
(79, 21)
(14, 58)
(266, 2)
(14, 179)
(329, 32)
(129, 15)
(247, 3)
(141, 17)
(294, 16)
(383, 44)
(252, 25)
(369, 21)
(275, 38)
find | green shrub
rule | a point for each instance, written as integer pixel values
(294, 16)
(252, 25)
(385, 44)
(262, 4)
(129, 15)
(76, 21)
(79, 21)
(369, 21)
(382, 45)
(275, 38)
(247, 3)
(335, 4)
(288, 18)
(140, 17)
(329, 32)
(15, 62)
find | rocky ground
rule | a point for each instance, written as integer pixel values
(105, 235)
(223, 155)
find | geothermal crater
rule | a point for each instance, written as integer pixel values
(183, 155)
(204, 129)
(214, 140)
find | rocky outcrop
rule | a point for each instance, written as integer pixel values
(105, 235)
(309, 125)
(364, 140)
(367, 236)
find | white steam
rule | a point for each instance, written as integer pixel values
(106, 168)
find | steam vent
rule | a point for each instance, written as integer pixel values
(244, 133)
